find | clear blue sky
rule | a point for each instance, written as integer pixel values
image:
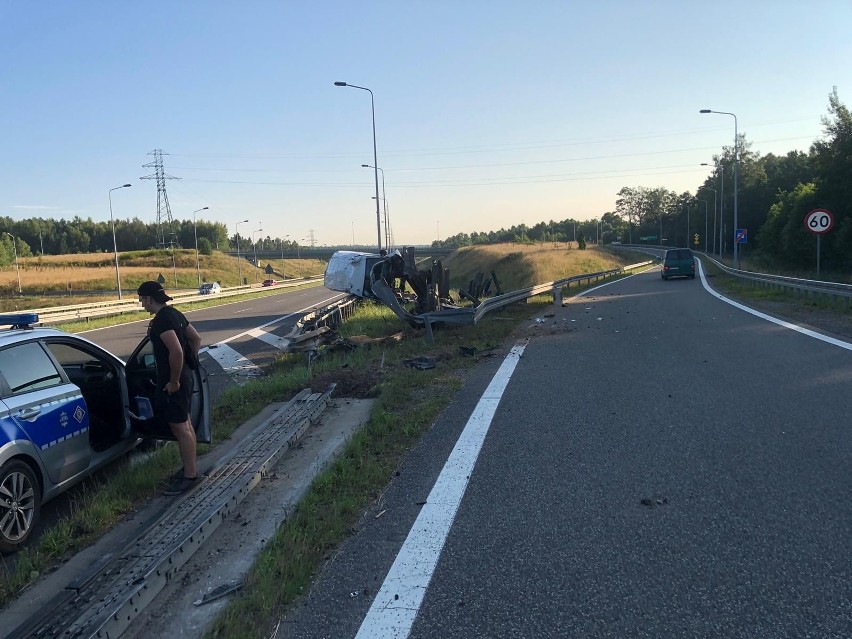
(488, 113)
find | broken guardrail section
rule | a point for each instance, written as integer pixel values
(386, 278)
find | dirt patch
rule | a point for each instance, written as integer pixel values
(353, 383)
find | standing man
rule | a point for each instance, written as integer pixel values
(175, 342)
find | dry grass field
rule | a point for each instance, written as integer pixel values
(522, 265)
(56, 280)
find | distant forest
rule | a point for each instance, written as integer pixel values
(774, 194)
(47, 236)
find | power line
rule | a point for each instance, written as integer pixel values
(164, 211)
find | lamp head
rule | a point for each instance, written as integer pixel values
(124, 186)
(365, 166)
(705, 111)
(340, 84)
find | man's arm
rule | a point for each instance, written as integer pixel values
(193, 339)
(172, 343)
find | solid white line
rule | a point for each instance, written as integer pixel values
(233, 362)
(270, 323)
(793, 327)
(396, 605)
(769, 318)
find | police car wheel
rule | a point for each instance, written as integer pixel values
(20, 504)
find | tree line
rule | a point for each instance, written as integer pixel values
(47, 236)
(774, 194)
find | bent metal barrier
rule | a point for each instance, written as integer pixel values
(475, 314)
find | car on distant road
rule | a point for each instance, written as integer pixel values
(67, 408)
(678, 263)
(269, 282)
(209, 288)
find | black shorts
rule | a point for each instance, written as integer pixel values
(175, 407)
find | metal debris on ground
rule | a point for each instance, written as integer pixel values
(218, 592)
(654, 501)
(420, 363)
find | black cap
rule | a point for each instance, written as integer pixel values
(155, 290)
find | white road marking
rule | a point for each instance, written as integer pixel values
(232, 362)
(396, 605)
(239, 366)
(793, 327)
(769, 318)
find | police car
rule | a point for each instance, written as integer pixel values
(67, 408)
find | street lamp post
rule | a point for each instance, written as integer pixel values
(254, 241)
(173, 241)
(707, 188)
(17, 270)
(114, 244)
(299, 254)
(195, 232)
(281, 243)
(721, 169)
(375, 158)
(237, 237)
(706, 218)
(385, 204)
(736, 162)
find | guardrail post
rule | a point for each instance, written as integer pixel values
(557, 296)
(428, 322)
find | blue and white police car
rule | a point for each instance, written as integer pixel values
(67, 408)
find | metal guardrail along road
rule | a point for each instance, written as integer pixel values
(80, 312)
(106, 601)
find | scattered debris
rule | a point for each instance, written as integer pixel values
(653, 502)
(218, 592)
(380, 514)
(421, 363)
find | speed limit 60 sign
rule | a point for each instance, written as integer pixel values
(819, 221)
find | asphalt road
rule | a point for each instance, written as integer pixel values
(219, 323)
(661, 464)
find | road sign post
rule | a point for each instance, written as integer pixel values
(819, 221)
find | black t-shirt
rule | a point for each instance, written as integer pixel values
(167, 318)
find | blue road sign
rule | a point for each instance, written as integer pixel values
(742, 236)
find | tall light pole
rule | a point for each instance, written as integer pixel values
(299, 254)
(375, 158)
(173, 241)
(736, 162)
(281, 242)
(114, 244)
(707, 188)
(15, 247)
(705, 222)
(721, 170)
(385, 203)
(195, 232)
(254, 241)
(237, 237)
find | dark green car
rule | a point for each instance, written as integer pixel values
(678, 263)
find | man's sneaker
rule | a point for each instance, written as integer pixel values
(182, 485)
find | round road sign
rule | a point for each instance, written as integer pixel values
(819, 221)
